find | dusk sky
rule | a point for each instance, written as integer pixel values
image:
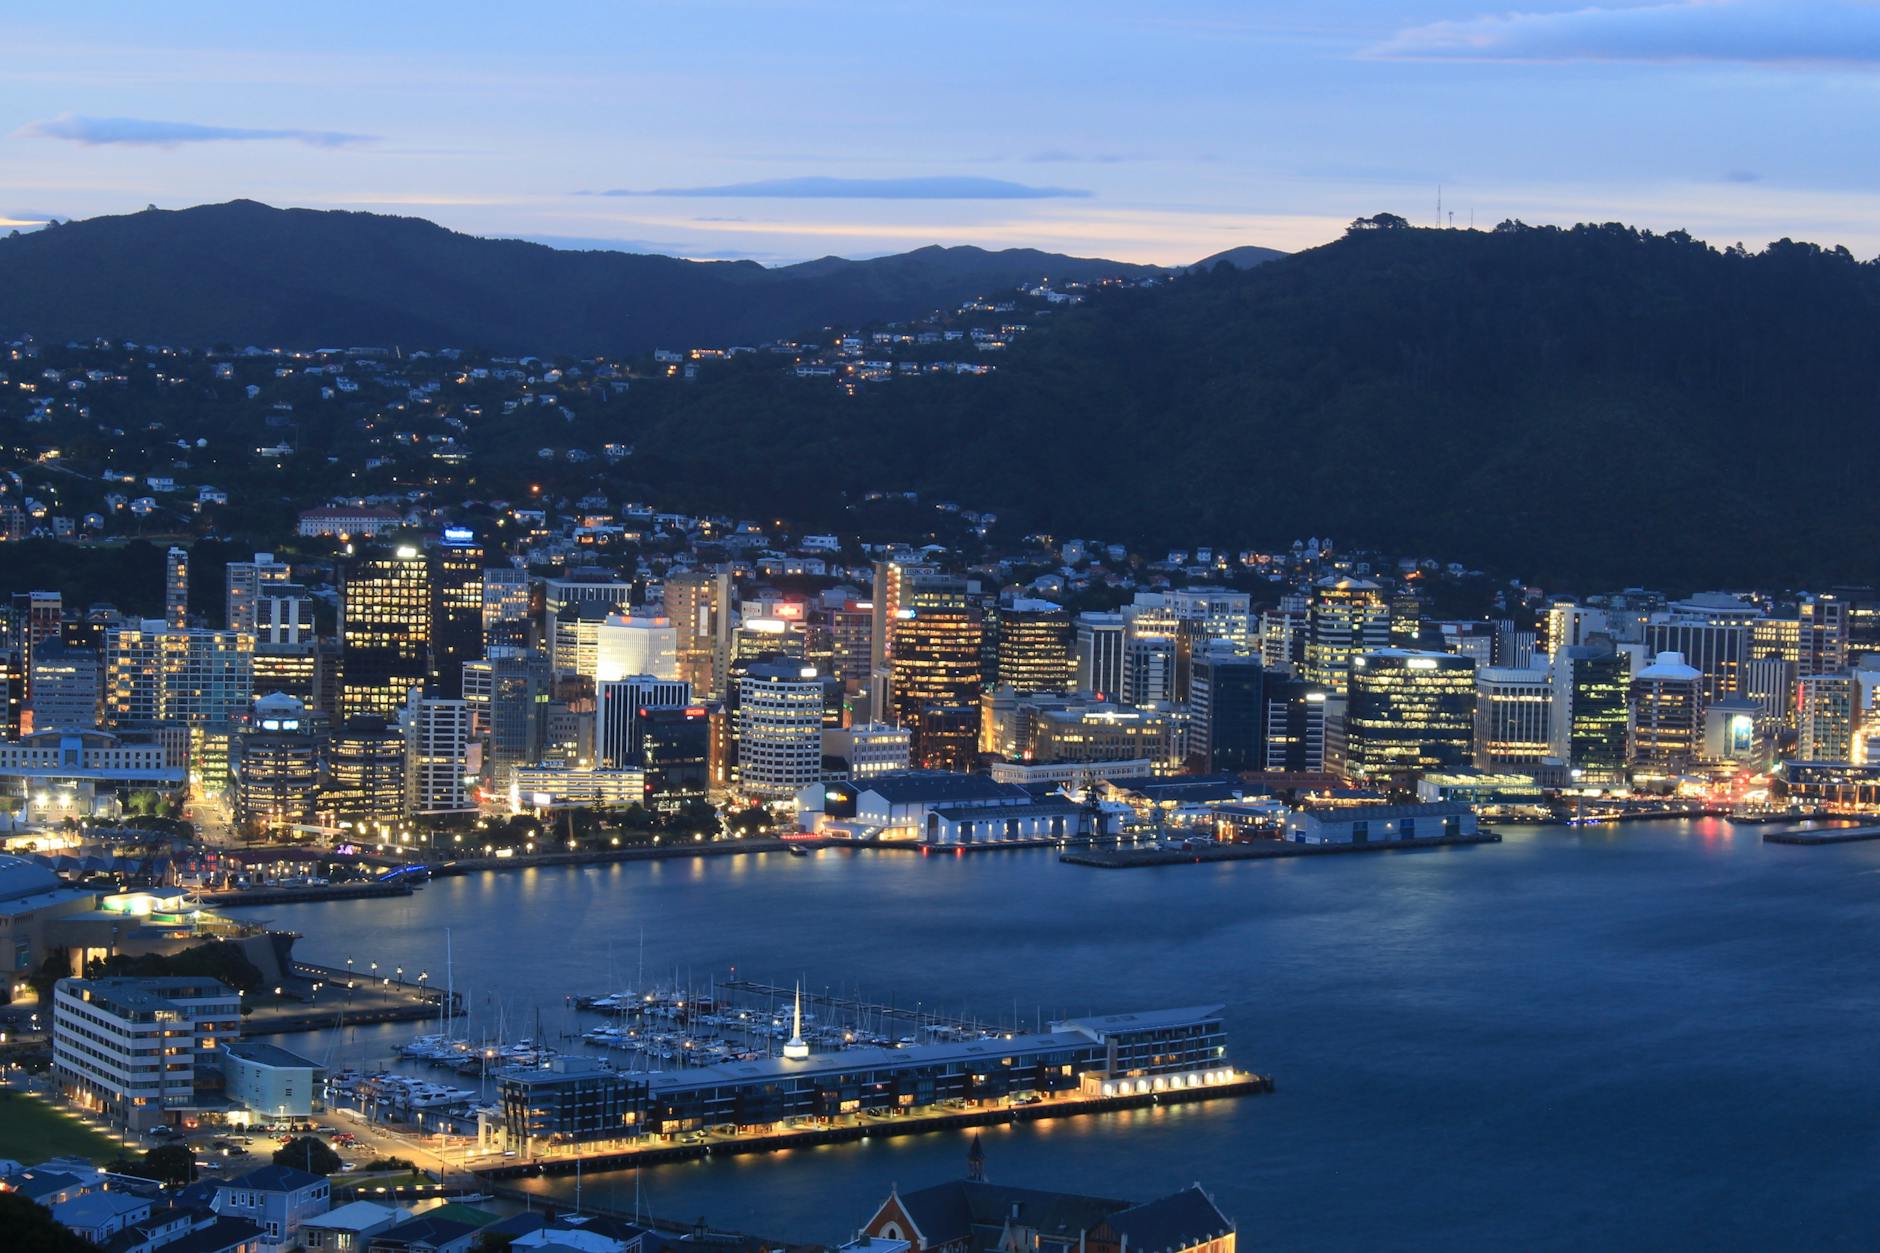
(789, 130)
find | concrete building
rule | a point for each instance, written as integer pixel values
(1409, 711)
(780, 726)
(67, 684)
(1513, 718)
(1100, 639)
(1344, 619)
(1667, 704)
(1380, 824)
(140, 1051)
(621, 708)
(276, 767)
(246, 582)
(437, 746)
(1825, 713)
(271, 1082)
(868, 749)
(365, 773)
(32, 899)
(627, 645)
(385, 632)
(77, 774)
(157, 673)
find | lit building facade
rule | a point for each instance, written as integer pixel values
(1825, 718)
(936, 684)
(156, 674)
(1513, 717)
(385, 632)
(1345, 619)
(456, 610)
(1408, 712)
(1667, 712)
(780, 725)
(365, 773)
(437, 747)
(1034, 647)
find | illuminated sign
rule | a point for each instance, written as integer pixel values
(458, 536)
(1742, 733)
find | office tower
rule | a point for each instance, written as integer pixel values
(1592, 710)
(1226, 707)
(1100, 639)
(1825, 710)
(506, 604)
(1215, 613)
(37, 617)
(1715, 640)
(1406, 616)
(246, 582)
(563, 602)
(1513, 717)
(1409, 712)
(437, 749)
(851, 628)
(1284, 631)
(868, 749)
(935, 684)
(1667, 712)
(1293, 725)
(456, 609)
(518, 697)
(277, 766)
(1824, 630)
(1777, 637)
(176, 589)
(675, 755)
(621, 709)
(194, 675)
(627, 645)
(68, 687)
(1153, 649)
(365, 772)
(891, 590)
(1345, 618)
(1570, 625)
(780, 724)
(12, 692)
(1769, 682)
(286, 646)
(1034, 652)
(758, 638)
(698, 604)
(385, 632)
(1515, 646)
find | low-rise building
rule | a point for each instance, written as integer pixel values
(141, 1050)
(270, 1081)
(278, 1199)
(1380, 824)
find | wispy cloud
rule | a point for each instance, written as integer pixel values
(143, 132)
(1062, 156)
(1761, 32)
(936, 187)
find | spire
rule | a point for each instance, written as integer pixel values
(976, 1161)
(795, 1049)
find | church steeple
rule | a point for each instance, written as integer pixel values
(795, 1048)
(976, 1161)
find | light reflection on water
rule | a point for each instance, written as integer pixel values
(1532, 1044)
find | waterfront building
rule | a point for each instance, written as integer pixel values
(628, 645)
(516, 713)
(1770, 682)
(437, 745)
(141, 1051)
(1667, 706)
(1099, 657)
(868, 749)
(1226, 705)
(456, 609)
(1380, 824)
(971, 1215)
(560, 786)
(622, 705)
(1732, 732)
(1822, 645)
(33, 898)
(1034, 646)
(246, 582)
(935, 684)
(365, 774)
(277, 766)
(155, 673)
(68, 687)
(1345, 618)
(1293, 725)
(939, 808)
(574, 1101)
(270, 1082)
(1592, 710)
(76, 774)
(675, 755)
(1825, 713)
(1513, 718)
(780, 726)
(385, 632)
(176, 589)
(1408, 712)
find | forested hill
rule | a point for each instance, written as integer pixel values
(245, 273)
(1592, 403)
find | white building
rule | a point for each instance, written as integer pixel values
(869, 748)
(626, 645)
(278, 1199)
(556, 786)
(780, 724)
(154, 673)
(270, 1081)
(437, 749)
(618, 705)
(1380, 824)
(136, 1050)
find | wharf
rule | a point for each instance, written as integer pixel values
(370, 999)
(603, 856)
(291, 896)
(1821, 835)
(867, 1128)
(1124, 858)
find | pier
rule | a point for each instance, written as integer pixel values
(859, 1010)
(1821, 835)
(1124, 858)
(864, 1128)
(316, 892)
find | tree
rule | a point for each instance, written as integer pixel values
(1380, 222)
(751, 821)
(170, 1163)
(308, 1153)
(31, 1228)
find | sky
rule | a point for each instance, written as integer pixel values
(787, 129)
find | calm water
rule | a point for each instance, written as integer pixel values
(1656, 1036)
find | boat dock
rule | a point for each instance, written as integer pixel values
(1260, 850)
(312, 892)
(855, 1007)
(867, 1128)
(1821, 835)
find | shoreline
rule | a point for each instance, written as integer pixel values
(1125, 859)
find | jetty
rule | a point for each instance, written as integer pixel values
(1258, 850)
(1822, 835)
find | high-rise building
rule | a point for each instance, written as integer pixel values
(675, 755)
(622, 707)
(1293, 726)
(1824, 632)
(1226, 707)
(563, 602)
(1592, 710)
(892, 593)
(628, 645)
(1571, 625)
(1409, 712)
(517, 713)
(1667, 712)
(37, 617)
(780, 724)
(157, 674)
(698, 604)
(176, 589)
(1154, 648)
(12, 692)
(1345, 618)
(1099, 663)
(1825, 712)
(1215, 613)
(437, 751)
(365, 774)
(1513, 717)
(935, 684)
(276, 767)
(506, 608)
(1034, 651)
(247, 581)
(1712, 636)
(456, 609)
(67, 686)
(385, 632)
(851, 628)
(1284, 631)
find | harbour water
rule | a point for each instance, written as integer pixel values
(1660, 1035)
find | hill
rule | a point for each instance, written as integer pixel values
(1244, 257)
(245, 273)
(1597, 404)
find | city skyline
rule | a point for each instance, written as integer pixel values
(696, 132)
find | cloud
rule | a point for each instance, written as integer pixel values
(1760, 32)
(1742, 176)
(142, 132)
(1061, 156)
(935, 187)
